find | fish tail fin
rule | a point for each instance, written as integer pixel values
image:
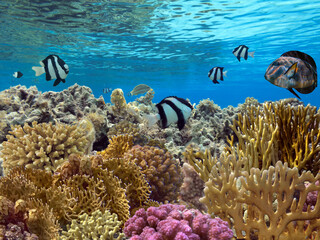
(151, 119)
(225, 73)
(294, 93)
(251, 54)
(38, 70)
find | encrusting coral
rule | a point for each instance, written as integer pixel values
(280, 131)
(42, 146)
(97, 225)
(162, 171)
(261, 204)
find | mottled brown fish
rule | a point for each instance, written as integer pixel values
(293, 69)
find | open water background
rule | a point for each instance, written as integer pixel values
(169, 45)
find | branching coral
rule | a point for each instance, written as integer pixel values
(26, 221)
(93, 187)
(162, 171)
(118, 146)
(97, 225)
(261, 204)
(280, 131)
(42, 146)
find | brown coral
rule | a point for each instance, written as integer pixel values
(120, 104)
(162, 171)
(42, 146)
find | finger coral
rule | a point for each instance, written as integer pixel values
(97, 225)
(175, 222)
(42, 146)
(162, 171)
(261, 204)
(280, 131)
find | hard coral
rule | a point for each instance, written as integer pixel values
(280, 131)
(93, 187)
(97, 225)
(120, 104)
(42, 146)
(261, 204)
(175, 222)
(118, 146)
(162, 171)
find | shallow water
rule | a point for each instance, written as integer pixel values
(169, 45)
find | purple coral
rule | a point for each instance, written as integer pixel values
(311, 198)
(175, 222)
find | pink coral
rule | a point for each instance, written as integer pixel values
(311, 198)
(175, 222)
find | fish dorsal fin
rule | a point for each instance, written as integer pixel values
(303, 56)
(292, 70)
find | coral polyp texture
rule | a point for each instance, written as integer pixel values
(162, 171)
(175, 222)
(97, 225)
(280, 131)
(262, 204)
(42, 146)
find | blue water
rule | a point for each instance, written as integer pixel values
(169, 45)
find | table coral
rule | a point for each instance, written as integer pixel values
(162, 171)
(97, 225)
(175, 222)
(42, 146)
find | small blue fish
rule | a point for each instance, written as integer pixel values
(216, 74)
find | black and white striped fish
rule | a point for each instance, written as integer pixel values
(242, 51)
(216, 74)
(171, 110)
(17, 74)
(54, 67)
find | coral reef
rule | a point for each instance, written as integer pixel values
(162, 171)
(42, 146)
(97, 225)
(261, 204)
(26, 221)
(192, 188)
(280, 131)
(175, 222)
(118, 146)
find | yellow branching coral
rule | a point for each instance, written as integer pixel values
(261, 204)
(279, 131)
(42, 146)
(162, 171)
(132, 179)
(34, 184)
(28, 220)
(97, 225)
(118, 146)
(93, 187)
